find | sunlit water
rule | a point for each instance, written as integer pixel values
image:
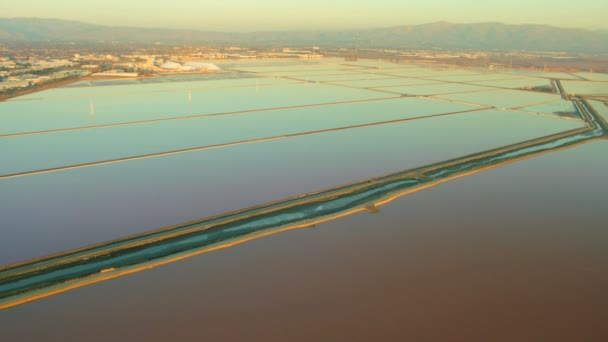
(522, 241)
(515, 252)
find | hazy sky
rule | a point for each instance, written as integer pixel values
(252, 15)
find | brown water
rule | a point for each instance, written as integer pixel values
(517, 253)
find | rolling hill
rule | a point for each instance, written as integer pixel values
(486, 36)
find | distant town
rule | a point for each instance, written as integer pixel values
(26, 69)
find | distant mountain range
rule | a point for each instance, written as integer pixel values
(486, 36)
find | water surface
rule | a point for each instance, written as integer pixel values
(26, 116)
(517, 83)
(22, 153)
(585, 88)
(53, 212)
(503, 98)
(455, 256)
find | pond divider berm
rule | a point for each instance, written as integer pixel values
(46, 276)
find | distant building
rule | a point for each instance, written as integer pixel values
(190, 66)
(14, 84)
(171, 66)
(198, 65)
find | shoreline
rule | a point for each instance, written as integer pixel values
(68, 81)
(45, 86)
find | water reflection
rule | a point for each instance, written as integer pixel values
(32, 280)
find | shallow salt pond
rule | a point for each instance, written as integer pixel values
(515, 83)
(556, 75)
(424, 72)
(93, 203)
(301, 67)
(301, 73)
(474, 78)
(585, 88)
(122, 87)
(22, 153)
(503, 98)
(601, 108)
(521, 241)
(379, 64)
(527, 235)
(37, 115)
(331, 78)
(435, 89)
(385, 82)
(593, 76)
(560, 108)
(87, 205)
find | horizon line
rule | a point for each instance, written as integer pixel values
(445, 22)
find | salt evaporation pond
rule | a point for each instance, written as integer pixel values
(114, 142)
(385, 82)
(132, 197)
(561, 108)
(502, 98)
(585, 88)
(515, 83)
(90, 89)
(456, 256)
(601, 108)
(26, 116)
(436, 89)
(104, 160)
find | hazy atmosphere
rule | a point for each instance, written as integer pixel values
(242, 15)
(231, 170)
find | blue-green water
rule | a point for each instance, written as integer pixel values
(516, 250)
(516, 83)
(601, 108)
(132, 197)
(91, 89)
(114, 142)
(93, 203)
(436, 89)
(585, 88)
(385, 82)
(560, 108)
(25, 116)
(503, 98)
